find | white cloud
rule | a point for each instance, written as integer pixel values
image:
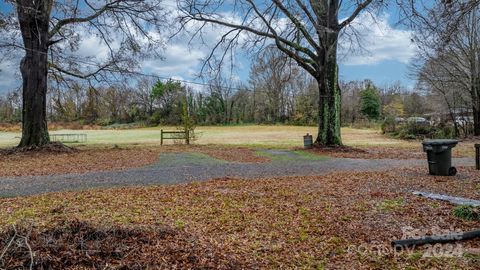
(185, 54)
(9, 75)
(179, 61)
(381, 41)
(92, 46)
(183, 57)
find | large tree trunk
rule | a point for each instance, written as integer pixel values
(475, 94)
(476, 118)
(34, 21)
(329, 104)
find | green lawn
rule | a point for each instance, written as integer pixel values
(250, 135)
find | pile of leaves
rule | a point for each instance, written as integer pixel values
(80, 245)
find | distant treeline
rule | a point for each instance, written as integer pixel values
(156, 102)
(277, 92)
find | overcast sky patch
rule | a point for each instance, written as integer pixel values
(380, 42)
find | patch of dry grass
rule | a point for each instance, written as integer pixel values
(278, 136)
(283, 222)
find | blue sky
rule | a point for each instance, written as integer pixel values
(385, 60)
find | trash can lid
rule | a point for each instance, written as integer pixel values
(440, 142)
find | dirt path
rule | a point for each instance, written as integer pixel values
(187, 167)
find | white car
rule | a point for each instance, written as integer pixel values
(418, 120)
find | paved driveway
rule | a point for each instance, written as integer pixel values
(182, 168)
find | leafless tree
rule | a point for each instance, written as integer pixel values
(221, 100)
(52, 29)
(438, 76)
(449, 42)
(270, 74)
(305, 31)
(144, 97)
(351, 101)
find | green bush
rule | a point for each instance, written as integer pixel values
(139, 124)
(447, 132)
(403, 134)
(388, 125)
(103, 122)
(155, 119)
(412, 131)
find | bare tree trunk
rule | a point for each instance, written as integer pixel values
(452, 117)
(476, 118)
(475, 94)
(34, 22)
(329, 105)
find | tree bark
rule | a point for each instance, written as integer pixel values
(34, 19)
(476, 119)
(329, 103)
(475, 94)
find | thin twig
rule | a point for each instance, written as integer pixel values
(25, 238)
(9, 243)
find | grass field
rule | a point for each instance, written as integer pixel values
(251, 135)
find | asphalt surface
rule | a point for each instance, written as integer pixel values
(187, 169)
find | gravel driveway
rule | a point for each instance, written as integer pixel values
(184, 167)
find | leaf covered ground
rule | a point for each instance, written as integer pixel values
(80, 161)
(407, 151)
(88, 159)
(335, 221)
(108, 159)
(79, 245)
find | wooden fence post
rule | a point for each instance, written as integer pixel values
(161, 136)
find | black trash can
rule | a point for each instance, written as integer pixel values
(439, 155)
